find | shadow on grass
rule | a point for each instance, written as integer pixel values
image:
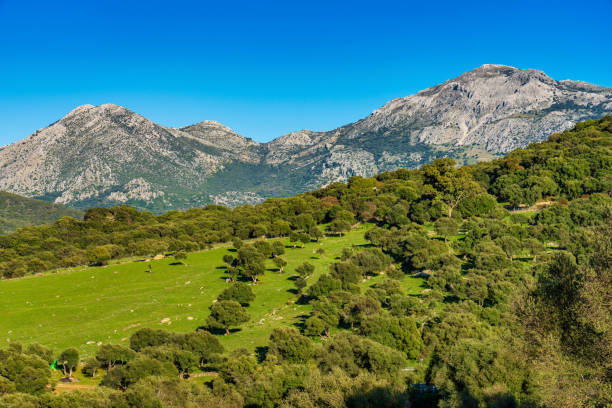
(217, 332)
(261, 353)
(303, 300)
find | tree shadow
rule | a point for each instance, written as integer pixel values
(294, 291)
(303, 299)
(261, 352)
(216, 331)
(176, 263)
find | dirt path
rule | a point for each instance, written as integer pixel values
(536, 207)
(69, 387)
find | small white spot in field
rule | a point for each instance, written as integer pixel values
(189, 317)
(187, 283)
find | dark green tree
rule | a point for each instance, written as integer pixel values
(225, 314)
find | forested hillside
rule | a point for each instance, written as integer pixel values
(17, 211)
(515, 255)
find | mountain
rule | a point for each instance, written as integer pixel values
(17, 211)
(106, 155)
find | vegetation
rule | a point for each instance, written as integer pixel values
(17, 212)
(453, 290)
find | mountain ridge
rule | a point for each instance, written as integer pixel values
(108, 154)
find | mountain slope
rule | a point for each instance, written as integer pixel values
(107, 154)
(100, 155)
(17, 211)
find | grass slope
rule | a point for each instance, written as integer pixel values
(74, 307)
(17, 212)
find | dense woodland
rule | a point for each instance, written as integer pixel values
(518, 254)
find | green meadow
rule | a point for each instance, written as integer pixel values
(81, 307)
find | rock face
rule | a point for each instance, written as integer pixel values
(107, 155)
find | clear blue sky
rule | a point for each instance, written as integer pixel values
(267, 68)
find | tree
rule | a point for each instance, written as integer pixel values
(400, 333)
(180, 256)
(534, 246)
(339, 226)
(509, 245)
(305, 270)
(278, 248)
(287, 344)
(69, 359)
(314, 326)
(347, 272)
(237, 243)
(264, 248)
(446, 227)
(233, 273)
(324, 286)
(280, 263)
(203, 344)
(452, 185)
(294, 237)
(148, 338)
(228, 259)
(90, 367)
(239, 292)
(225, 314)
(358, 308)
(98, 256)
(304, 238)
(41, 351)
(32, 380)
(251, 262)
(300, 283)
(184, 361)
(111, 354)
(315, 233)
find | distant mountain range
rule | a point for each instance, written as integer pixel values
(17, 212)
(107, 155)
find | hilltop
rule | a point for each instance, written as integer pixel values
(108, 155)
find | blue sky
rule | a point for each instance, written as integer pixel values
(266, 68)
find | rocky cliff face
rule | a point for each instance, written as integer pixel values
(106, 155)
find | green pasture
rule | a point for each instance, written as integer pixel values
(81, 307)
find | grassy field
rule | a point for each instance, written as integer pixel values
(82, 307)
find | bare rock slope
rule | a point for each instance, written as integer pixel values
(106, 155)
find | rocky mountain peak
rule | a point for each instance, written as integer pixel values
(218, 134)
(107, 154)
